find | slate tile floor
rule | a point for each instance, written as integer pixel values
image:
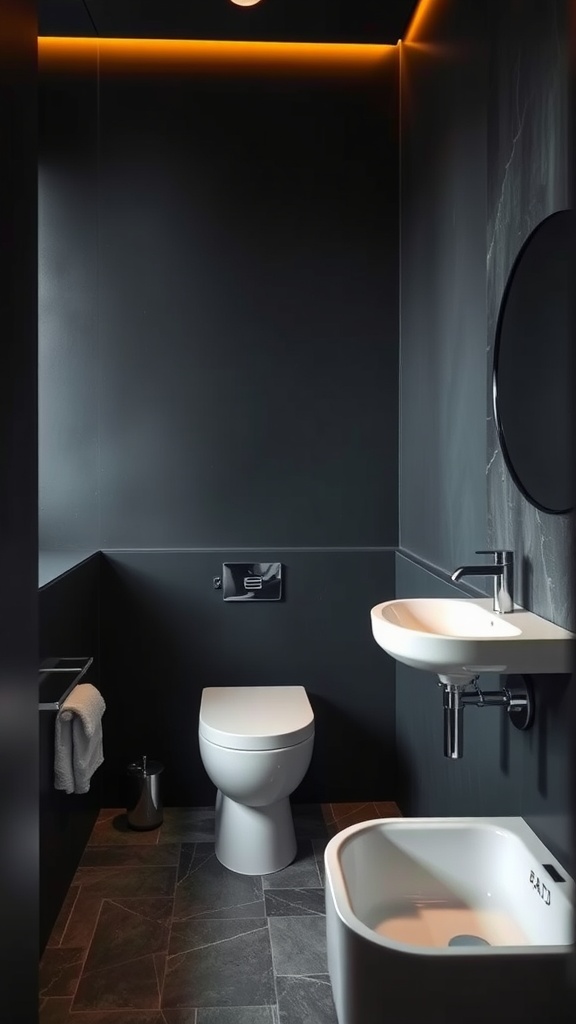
(154, 930)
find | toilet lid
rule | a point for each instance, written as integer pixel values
(255, 717)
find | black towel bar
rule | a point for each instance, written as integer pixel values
(51, 697)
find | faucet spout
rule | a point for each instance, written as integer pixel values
(477, 570)
(502, 571)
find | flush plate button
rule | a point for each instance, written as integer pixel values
(252, 581)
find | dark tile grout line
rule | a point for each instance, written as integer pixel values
(275, 1015)
(88, 947)
(171, 925)
(58, 945)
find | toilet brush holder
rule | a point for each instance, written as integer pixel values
(145, 806)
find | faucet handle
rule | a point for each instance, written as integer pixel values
(502, 556)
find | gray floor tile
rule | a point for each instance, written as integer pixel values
(118, 856)
(207, 889)
(294, 902)
(127, 930)
(309, 821)
(298, 945)
(306, 999)
(133, 986)
(219, 963)
(301, 873)
(187, 825)
(125, 965)
(319, 846)
(82, 921)
(236, 1015)
(54, 1011)
(57, 1011)
(60, 969)
(126, 881)
(112, 828)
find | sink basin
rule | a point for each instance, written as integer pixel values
(470, 917)
(463, 636)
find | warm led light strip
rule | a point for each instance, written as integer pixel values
(423, 10)
(201, 55)
(211, 55)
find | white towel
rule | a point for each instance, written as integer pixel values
(78, 748)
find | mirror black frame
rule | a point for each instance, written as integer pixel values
(497, 350)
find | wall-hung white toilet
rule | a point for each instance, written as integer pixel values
(256, 744)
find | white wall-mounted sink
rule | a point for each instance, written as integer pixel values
(463, 636)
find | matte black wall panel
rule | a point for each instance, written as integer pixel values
(68, 281)
(167, 633)
(443, 306)
(248, 312)
(69, 627)
(18, 512)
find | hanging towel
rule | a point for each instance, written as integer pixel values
(78, 739)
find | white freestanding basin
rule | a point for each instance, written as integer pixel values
(445, 921)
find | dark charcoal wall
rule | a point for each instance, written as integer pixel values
(18, 510)
(166, 634)
(494, 135)
(443, 305)
(67, 294)
(69, 627)
(247, 312)
(248, 287)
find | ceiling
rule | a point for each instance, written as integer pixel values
(344, 21)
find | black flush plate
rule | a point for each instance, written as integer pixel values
(553, 873)
(252, 581)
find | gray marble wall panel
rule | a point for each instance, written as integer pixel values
(443, 303)
(517, 126)
(528, 179)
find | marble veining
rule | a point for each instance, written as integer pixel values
(527, 181)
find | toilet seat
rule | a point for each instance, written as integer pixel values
(255, 717)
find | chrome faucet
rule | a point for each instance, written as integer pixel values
(503, 572)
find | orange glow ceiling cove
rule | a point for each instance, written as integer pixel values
(420, 17)
(146, 55)
(139, 55)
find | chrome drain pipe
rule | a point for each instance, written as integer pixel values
(516, 697)
(453, 721)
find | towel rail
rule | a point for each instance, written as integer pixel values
(56, 667)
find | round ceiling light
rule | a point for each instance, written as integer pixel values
(245, 3)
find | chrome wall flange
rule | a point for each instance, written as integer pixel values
(521, 707)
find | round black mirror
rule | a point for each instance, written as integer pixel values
(533, 380)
